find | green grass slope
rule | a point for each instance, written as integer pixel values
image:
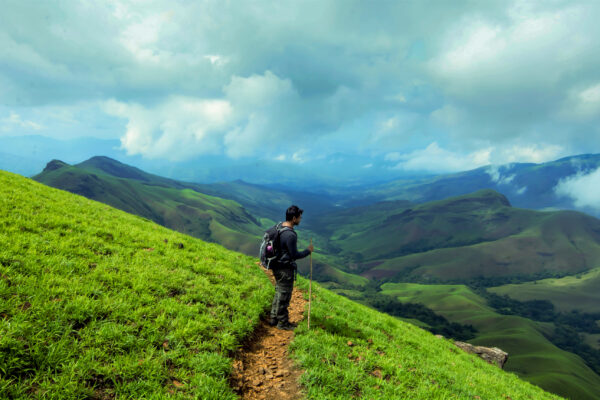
(176, 205)
(352, 351)
(578, 292)
(531, 354)
(96, 303)
(477, 236)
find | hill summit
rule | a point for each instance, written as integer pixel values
(54, 165)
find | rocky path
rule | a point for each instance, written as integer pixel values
(263, 369)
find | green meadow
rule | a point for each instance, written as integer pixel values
(531, 354)
(577, 292)
(97, 303)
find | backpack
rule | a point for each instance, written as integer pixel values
(270, 248)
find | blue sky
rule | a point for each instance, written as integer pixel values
(434, 86)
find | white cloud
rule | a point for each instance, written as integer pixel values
(583, 104)
(300, 157)
(449, 115)
(14, 120)
(476, 50)
(495, 173)
(253, 116)
(583, 188)
(263, 108)
(178, 128)
(436, 159)
(368, 165)
(390, 130)
(393, 156)
(528, 153)
(216, 59)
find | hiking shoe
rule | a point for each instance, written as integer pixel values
(286, 326)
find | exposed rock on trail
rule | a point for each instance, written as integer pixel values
(263, 369)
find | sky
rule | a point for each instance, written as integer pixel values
(429, 86)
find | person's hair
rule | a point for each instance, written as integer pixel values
(293, 211)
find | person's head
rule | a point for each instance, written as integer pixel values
(294, 214)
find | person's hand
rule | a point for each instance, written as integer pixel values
(311, 248)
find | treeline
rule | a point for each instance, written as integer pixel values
(542, 310)
(567, 326)
(437, 323)
(570, 340)
(372, 297)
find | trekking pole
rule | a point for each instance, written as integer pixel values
(310, 287)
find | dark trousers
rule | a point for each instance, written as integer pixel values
(284, 278)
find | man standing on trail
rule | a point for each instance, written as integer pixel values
(284, 268)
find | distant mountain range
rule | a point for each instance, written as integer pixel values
(342, 180)
(525, 185)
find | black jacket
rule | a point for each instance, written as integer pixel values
(289, 249)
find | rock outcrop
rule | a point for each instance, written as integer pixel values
(492, 355)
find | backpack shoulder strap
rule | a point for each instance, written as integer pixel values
(281, 229)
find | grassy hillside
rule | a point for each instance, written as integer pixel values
(532, 355)
(578, 292)
(176, 205)
(353, 352)
(96, 303)
(470, 237)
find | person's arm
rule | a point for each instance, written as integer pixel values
(291, 242)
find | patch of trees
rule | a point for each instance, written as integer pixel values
(567, 325)
(544, 311)
(568, 339)
(437, 323)
(372, 297)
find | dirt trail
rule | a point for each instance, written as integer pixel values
(262, 368)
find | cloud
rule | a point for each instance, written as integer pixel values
(14, 120)
(489, 71)
(244, 121)
(393, 156)
(495, 173)
(436, 159)
(345, 76)
(583, 103)
(533, 153)
(178, 128)
(583, 188)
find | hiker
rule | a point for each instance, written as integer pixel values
(284, 268)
